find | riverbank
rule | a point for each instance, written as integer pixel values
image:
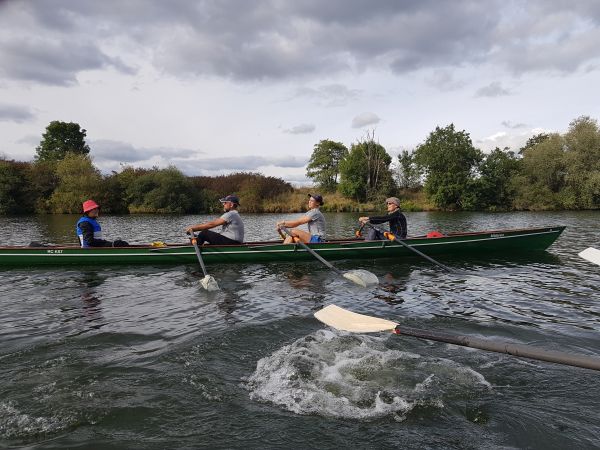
(296, 201)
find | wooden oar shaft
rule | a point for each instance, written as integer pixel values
(524, 351)
(312, 252)
(195, 244)
(410, 247)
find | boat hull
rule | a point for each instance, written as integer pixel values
(500, 242)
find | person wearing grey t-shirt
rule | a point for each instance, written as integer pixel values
(232, 226)
(313, 218)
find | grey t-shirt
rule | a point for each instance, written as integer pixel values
(233, 228)
(316, 226)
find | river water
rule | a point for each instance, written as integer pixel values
(143, 357)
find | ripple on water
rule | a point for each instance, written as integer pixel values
(357, 377)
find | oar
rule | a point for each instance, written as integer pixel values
(591, 254)
(400, 241)
(345, 320)
(208, 282)
(358, 276)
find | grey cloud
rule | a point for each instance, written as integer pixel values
(445, 81)
(304, 128)
(252, 162)
(52, 62)
(111, 153)
(126, 153)
(15, 113)
(364, 119)
(514, 126)
(271, 39)
(330, 95)
(494, 89)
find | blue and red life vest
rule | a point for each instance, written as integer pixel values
(95, 227)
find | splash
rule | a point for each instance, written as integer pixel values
(15, 424)
(356, 377)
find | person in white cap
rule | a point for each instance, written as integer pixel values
(313, 218)
(394, 217)
(231, 223)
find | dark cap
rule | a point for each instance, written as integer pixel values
(317, 198)
(230, 198)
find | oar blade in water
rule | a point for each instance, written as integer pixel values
(361, 277)
(209, 283)
(342, 319)
(591, 254)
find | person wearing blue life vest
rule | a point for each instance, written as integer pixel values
(89, 231)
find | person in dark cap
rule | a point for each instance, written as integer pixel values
(313, 218)
(232, 226)
(89, 231)
(394, 217)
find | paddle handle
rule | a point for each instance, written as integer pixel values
(524, 351)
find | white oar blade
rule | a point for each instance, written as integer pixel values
(342, 319)
(591, 254)
(209, 283)
(361, 277)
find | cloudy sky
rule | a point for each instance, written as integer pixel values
(220, 86)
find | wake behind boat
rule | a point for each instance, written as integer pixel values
(497, 242)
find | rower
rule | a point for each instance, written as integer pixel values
(89, 231)
(313, 218)
(394, 217)
(232, 226)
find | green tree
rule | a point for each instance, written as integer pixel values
(365, 172)
(582, 164)
(78, 181)
(324, 164)
(16, 197)
(59, 139)
(542, 175)
(533, 141)
(112, 194)
(407, 172)
(493, 189)
(162, 191)
(449, 162)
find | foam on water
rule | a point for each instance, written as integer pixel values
(14, 424)
(356, 377)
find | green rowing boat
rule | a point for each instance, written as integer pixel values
(483, 242)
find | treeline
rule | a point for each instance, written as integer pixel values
(552, 171)
(446, 172)
(62, 176)
(59, 188)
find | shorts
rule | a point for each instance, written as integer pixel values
(315, 239)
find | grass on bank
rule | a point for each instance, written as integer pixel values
(297, 200)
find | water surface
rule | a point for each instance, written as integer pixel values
(143, 357)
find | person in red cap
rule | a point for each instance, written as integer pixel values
(394, 217)
(232, 226)
(313, 218)
(89, 231)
